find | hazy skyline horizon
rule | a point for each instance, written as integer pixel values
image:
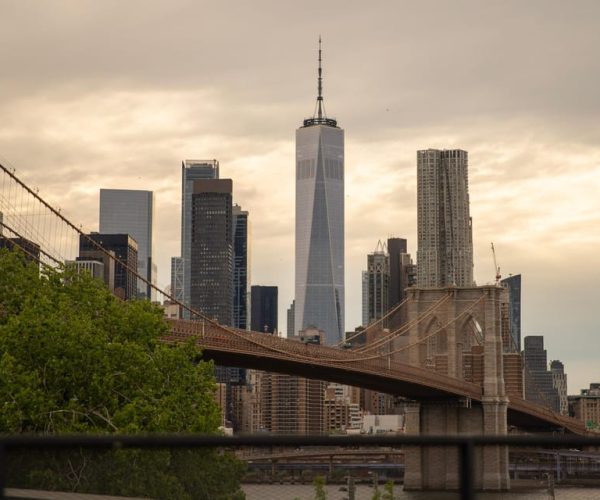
(116, 96)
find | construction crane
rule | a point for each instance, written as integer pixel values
(496, 266)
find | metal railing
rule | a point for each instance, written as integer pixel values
(465, 444)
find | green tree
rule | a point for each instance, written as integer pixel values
(319, 485)
(388, 491)
(74, 359)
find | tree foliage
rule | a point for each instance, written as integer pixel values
(388, 491)
(319, 486)
(74, 359)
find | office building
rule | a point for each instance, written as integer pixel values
(403, 272)
(247, 404)
(191, 171)
(364, 279)
(93, 267)
(396, 247)
(513, 283)
(241, 268)
(29, 249)
(291, 319)
(377, 282)
(319, 272)
(177, 278)
(264, 309)
(172, 308)
(211, 249)
(538, 380)
(444, 226)
(107, 259)
(342, 409)
(129, 211)
(292, 404)
(211, 269)
(586, 407)
(559, 382)
(126, 251)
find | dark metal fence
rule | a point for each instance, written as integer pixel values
(465, 444)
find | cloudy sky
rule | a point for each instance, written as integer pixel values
(115, 94)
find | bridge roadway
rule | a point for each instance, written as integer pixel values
(240, 348)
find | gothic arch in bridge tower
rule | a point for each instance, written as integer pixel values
(432, 343)
(469, 346)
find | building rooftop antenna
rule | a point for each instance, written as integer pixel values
(320, 116)
(320, 85)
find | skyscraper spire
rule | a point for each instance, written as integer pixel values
(320, 86)
(319, 116)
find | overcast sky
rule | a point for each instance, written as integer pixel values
(114, 94)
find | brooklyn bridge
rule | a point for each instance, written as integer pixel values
(447, 350)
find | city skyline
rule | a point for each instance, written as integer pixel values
(528, 129)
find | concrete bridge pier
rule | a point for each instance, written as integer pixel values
(437, 468)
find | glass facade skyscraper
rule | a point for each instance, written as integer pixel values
(191, 170)
(264, 309)
(538, 380)
(319, 273)
(211, 252)
(241, 268)
(130, 211)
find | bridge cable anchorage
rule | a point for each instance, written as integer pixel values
(404, 328)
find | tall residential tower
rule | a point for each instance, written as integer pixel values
(319, 290)
(445, 239)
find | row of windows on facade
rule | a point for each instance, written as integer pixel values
(334, 169)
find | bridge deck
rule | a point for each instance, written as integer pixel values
(259, 351)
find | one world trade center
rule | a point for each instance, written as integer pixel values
(319, 289)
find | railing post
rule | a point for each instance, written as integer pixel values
(467, 489)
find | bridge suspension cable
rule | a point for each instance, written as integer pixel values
(372, 325)
(404, 328)
(423, 339)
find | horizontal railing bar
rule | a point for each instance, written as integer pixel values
(211, 441)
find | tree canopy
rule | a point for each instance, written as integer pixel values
(75, 359)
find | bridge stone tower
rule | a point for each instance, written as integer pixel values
(462, 338)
